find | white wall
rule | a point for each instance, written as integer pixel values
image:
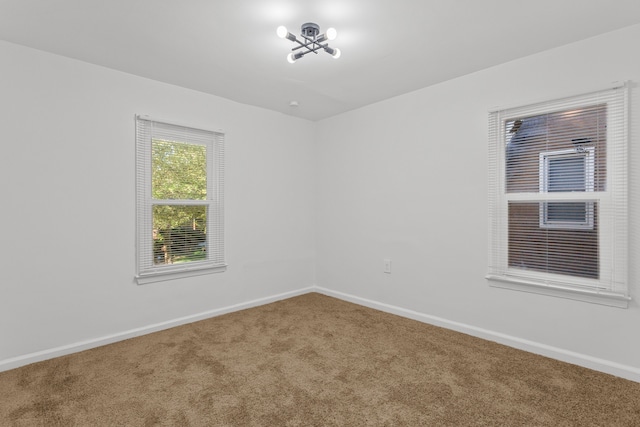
(67, 176)
(406, 179)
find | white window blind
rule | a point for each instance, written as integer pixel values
(558, 197)
(179, 191)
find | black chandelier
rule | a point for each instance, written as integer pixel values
(311, 41)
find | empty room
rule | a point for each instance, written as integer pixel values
(320, 213)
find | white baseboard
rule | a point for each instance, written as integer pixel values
(602, 365)
(39, 356)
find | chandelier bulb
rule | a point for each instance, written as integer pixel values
(282, 31)
(331, 33)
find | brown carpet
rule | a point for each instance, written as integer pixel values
(312, 360)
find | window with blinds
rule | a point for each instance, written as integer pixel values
(558, 197)
(179, 200)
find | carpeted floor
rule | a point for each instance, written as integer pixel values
(312, 360)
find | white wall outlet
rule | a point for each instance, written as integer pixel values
(387, 266)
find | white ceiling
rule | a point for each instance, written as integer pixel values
(229, 48)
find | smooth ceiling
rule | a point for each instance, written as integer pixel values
(230, 48)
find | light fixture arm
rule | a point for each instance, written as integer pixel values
(312, 41)
(313, 48)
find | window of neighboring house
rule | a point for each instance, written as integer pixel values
(558, 198)
(179, 201)
(568, 170)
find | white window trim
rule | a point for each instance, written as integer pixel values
(613, 290)
(148, 273)
(589, 155)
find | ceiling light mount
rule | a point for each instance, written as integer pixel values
(310, 30)
(310, 41)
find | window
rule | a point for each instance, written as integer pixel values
(179, 201)
(558, 198)
(567, 170)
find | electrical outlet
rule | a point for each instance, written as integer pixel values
(387, 266)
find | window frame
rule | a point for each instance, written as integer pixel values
(146, 270)
(611, 288)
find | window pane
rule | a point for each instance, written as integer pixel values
(179, 171)
(552, 250)
(582, 131)
(179, 234)
(571, 212)
(567, 174)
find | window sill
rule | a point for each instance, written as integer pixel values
(161, 276)
(587, 295)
